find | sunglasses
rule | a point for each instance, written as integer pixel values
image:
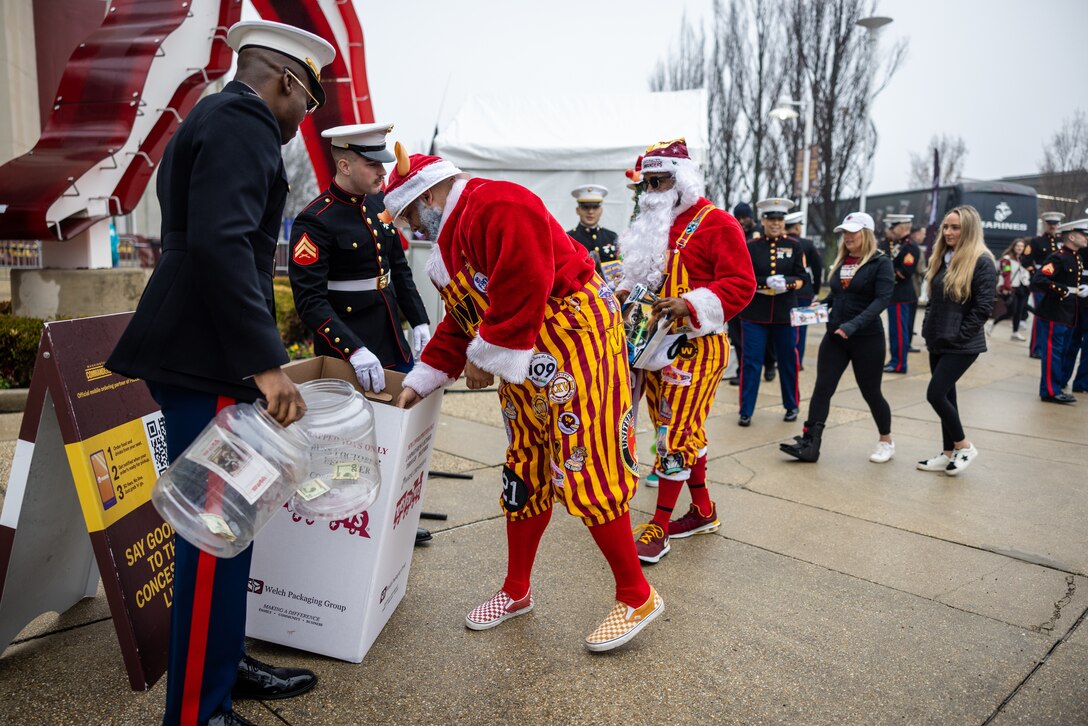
(656, 182)
(311, 105)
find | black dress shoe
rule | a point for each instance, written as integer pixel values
(734, 381)
(263, 682)
(1036, 357)
(791, 415)
(889, 369)
(744, 421)
(768, 375)
(423, 536)
(1060, 398)
(228, 718)
(912, 349)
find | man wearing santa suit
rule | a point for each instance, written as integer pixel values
(693, 255)
(523, 303)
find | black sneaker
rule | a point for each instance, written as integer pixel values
(744, 421)
(1059, 398)
(791, 415)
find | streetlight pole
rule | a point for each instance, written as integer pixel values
(872, 25)
(784, 111)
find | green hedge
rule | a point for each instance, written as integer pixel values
(19, 338)
(295, 336)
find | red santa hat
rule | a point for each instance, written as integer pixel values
(412, 176)
(666, 157)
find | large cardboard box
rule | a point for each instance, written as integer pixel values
(330, 587)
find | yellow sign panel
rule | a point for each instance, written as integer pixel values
(114, 473)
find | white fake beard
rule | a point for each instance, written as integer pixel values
(645, 243)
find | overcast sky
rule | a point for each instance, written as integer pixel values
(1000, 73)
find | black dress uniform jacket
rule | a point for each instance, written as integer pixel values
(340, 237)
(597, 239)
(775, 256)
(1038, 249)
(905, 255)
(815, 266)
(957, 327)
(856, 308)
(206, 320)
(1059, 272)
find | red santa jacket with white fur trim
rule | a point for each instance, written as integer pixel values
(503, 231)
(718, 265)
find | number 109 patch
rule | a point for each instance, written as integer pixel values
(542, 369)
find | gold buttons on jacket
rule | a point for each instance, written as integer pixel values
(369, 220)
(336, 340)
(326, 330)
(346, 349)
(354, 200)
(349, 308)
(354, 245)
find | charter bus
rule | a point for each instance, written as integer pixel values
(1008, 210)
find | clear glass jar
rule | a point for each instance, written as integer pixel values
(232, 479)
(344, 471)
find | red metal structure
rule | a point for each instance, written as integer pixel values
(90, 112)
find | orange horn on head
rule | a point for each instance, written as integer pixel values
(403, 163)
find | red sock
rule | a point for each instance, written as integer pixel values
(668, 491)
(522, 539)
(700, 497)
(618, 547)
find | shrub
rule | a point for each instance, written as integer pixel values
(19, 338)
(292, 331)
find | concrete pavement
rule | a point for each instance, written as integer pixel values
(837, 592)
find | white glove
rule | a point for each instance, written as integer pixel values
(1072, 290)
(421, 335)
(369, 371)
(1082, 291)
(777, 283)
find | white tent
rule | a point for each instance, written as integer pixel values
(552, 144)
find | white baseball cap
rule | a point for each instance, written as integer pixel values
(856, 221)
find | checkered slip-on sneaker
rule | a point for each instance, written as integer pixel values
(499, 608)
(694, 523)
(624, 622)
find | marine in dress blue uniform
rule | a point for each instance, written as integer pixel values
(204, 333)
(905, 255)
(1060, 281)
(349, 274)
(1036, 251)
(811, 289)
(1079, 342)
(779, 265)
(598, 241)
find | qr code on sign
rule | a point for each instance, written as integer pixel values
(156, 439)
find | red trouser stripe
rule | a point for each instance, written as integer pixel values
(1048, 366)
(198, 625)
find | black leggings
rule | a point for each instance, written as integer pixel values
(946, 369)
(866, 354)
(1015, 307)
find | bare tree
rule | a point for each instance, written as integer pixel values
(300, 177)
(952, 152)
(763, 47)
(726, 75)
(844, 74)
(1065, 167)
(685, 67)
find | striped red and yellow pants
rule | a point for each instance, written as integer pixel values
(570, 425)
(680, 396)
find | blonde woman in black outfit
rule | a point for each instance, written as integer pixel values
(962, 286)
(861, 283)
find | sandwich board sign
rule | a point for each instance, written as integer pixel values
(78, 504)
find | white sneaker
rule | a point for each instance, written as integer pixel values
(961, 459)
(939, 462)
(989, 327)
(1018, 336)
(883, 452)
